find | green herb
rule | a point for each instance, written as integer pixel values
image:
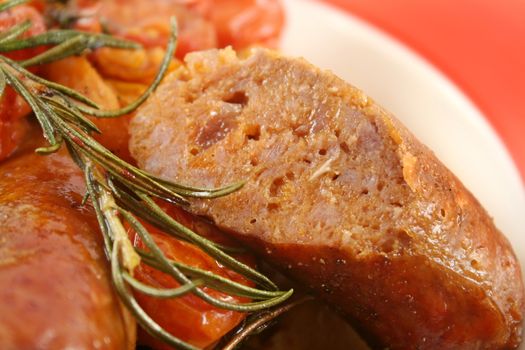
(120, 192)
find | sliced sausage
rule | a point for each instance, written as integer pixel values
(339, 195)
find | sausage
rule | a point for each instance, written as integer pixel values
(312, 325)
(56, 287)
(339, 195)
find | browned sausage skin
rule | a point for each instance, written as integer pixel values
(339, 194)
(55, 288)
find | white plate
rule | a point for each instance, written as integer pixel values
(439, 114)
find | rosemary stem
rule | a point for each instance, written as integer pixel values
(130, 258)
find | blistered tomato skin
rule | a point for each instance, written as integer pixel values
(12, 107)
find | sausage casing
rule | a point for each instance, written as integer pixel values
(55, 286)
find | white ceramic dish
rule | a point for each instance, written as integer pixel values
(436, 111)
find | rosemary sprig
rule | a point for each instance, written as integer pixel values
(118, 191)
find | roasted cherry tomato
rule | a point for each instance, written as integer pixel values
(17, 15)
(12, 106)
(242, 23)
(189, 318)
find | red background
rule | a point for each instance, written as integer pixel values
(479, 44)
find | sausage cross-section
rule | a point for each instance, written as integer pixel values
(339, 195)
